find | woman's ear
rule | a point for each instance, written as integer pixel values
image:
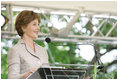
(23, 28)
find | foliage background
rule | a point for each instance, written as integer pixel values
(64, 56)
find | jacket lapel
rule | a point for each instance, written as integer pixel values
(29, 49)
(38, 51)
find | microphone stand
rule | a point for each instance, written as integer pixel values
(97, 54)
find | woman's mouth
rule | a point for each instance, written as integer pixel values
(36, 32)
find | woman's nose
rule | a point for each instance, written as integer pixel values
(38, 28)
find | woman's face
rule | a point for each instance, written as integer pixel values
(32, 29)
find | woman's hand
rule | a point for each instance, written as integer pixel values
(31, 71)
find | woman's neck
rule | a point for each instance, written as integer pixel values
(29, 42)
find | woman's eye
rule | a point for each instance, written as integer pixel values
(34, 24)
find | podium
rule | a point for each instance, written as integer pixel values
(57, 73)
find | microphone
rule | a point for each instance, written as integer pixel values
(48, 40)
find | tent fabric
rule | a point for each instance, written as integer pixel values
(95, 6)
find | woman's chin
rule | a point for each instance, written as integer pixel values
(35, 37)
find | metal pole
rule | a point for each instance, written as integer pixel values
(71, 40)
(50, 54)
(111, 29)
(69, 36)
(99, 27)
(64, 32)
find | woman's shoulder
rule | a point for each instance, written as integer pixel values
(16, 47)
(13, 50)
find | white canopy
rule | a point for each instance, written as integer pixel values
(109, 8)
(89, 6)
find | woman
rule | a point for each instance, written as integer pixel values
(26, 56)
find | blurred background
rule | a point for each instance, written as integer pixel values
(83, 33)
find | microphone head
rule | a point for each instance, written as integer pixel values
(48, 40)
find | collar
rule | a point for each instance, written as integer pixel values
(21, 41)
